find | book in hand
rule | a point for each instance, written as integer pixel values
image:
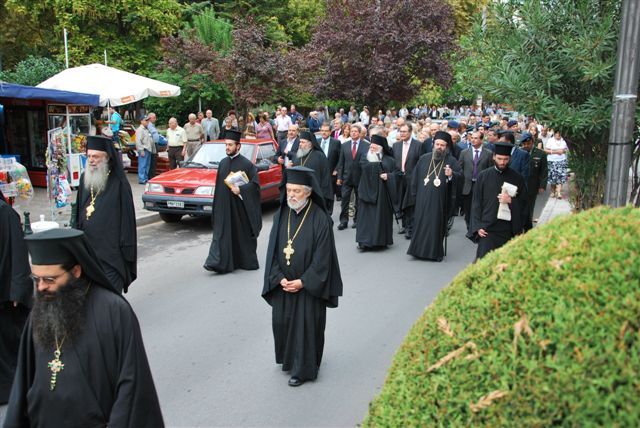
(236, 179)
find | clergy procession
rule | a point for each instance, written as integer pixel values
(72, 351)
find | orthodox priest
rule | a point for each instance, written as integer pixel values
(310, 155)
(16, 292)
(105, 212)
(237, 214)
(377, 196)
(488, 228)
(433, 187)
(82, 362)
(302, 275)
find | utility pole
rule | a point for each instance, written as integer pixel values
(66, 50)
(624, 106)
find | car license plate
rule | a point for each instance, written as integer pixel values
(175, 204)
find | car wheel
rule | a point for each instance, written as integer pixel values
(170, 218)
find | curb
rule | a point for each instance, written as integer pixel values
(147, 219)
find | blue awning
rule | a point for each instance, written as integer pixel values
(11, 90)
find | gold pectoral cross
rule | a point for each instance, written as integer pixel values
(90, 210)
(56, 367)
(288, 252)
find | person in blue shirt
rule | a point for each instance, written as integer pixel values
(115, 123)
(294, 115)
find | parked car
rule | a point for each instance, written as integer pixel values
(190, 189)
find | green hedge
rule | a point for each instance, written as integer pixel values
(549, 325)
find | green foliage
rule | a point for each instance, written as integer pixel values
(552, 319)
(464, 12)
(32, 71)
(555, 60)
(213, 30)
(430, 93)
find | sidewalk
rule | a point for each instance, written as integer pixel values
(556, 207)
(40, 205)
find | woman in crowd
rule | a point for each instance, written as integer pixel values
(556, 150)
(264, 130)
(250, 132)
(346, 130)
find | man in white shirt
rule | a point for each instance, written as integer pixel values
(177, 142)
(283, 122)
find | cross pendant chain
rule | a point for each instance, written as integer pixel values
(288, 252)
(426, 181)
(56, 367)
(90, 210)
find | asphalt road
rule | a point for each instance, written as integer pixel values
(209, 342)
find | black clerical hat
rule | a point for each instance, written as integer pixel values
(300, 175)
(379, 140)
(443, 135)
(98, 142)
(64, 246)
(311, 137)
(503, 149)
(231, 134)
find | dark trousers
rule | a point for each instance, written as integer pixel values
(281, 136)
(466, 205)
(153, 165)
(407, 218)
(344, 204)
(175, 156)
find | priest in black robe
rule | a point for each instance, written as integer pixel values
(302, 275)
(106, 214)
(16, 290)
(237, 214)
(433, 187)
(377, 196)
(310, 155)
(486, 228)
(82, 362)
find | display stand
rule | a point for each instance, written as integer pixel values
(58, 189)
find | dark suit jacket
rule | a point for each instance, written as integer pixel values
(426, 147)
(348, 168)
(333, 155)
(466, 164)
(292, 152)
(520, 163)
(414, 153)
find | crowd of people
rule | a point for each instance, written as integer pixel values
(80, 360)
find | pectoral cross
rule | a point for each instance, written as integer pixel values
(288, 252)
(90, 210)
(56, 367)
(426, 181)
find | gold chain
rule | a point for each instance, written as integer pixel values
(289, 238)
(432, 169)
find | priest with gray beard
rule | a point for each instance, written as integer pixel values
(82, 362)
(310, 155)
(106, 214)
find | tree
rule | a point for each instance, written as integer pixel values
(32, 71)
(378, 53)
(555, 61)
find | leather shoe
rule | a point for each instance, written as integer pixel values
(342, 226)
(294, 381)
(402, 231)
(407, 236)
(353, 226)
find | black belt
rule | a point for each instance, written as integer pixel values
(193, 141)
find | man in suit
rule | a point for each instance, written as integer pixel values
(406, 152)
(519, 158)
(472, 161)
(287, 150)
(349, 171)
(331, 148)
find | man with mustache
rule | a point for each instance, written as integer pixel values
(433, 188)
(106, 214)
(310, 155)
(302, 275)
(82, 361)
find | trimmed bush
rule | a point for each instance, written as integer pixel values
(544, 331)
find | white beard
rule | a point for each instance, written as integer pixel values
(96, 179)
(296, 205)
(302, 152)
(373, 157)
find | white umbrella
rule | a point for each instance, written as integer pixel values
(115, 87)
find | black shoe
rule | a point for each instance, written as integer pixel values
(209, 268)
(339, 199)
(353, 226)
(402, 231)
(294, 381)
(407, 236)
(342, 226)
(363, 247)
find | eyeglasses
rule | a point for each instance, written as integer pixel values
(48, 280)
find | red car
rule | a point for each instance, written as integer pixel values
(190, 189)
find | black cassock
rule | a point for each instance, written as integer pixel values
(236, 221)
(433, 205)
(484, 209)
(106, 378)
(376, 201)
(15, 286)
(317, 161)
(298, 319)
(111, 229)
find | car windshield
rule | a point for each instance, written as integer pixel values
(209, 155)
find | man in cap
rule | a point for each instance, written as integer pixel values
(433, 190)
(538, 173)
(106, 214)
(146, 149)
(302, 275)
(16, 292)
(82, 361)
(486, 228)
(237, 214)
(377, 195)
(310, 154)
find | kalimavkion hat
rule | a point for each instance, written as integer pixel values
(445, 136)
(503, 149)
(231, 134)
(299, 175)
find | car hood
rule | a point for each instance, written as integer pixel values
(187, 177)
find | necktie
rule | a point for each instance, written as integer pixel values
(324, 146)
(405, 151)
(354, 148)
(475, 164)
